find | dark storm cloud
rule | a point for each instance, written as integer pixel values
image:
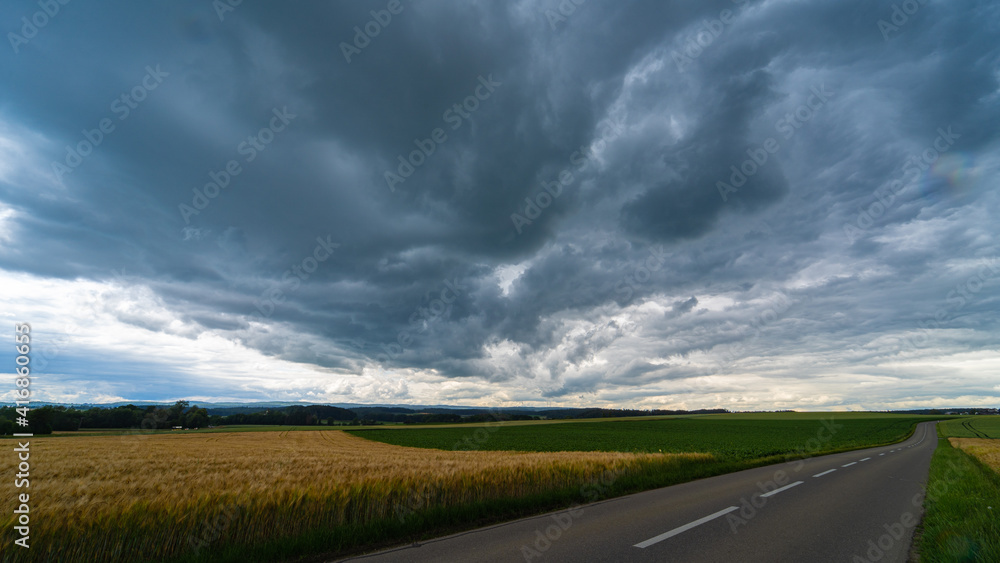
(509, 96)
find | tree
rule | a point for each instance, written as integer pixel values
(174, 413)
(65, 419)
(196, 418)
(297, 416)
(40, 420)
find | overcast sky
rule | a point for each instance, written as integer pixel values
(643, 204)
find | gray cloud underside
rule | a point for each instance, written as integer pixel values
(765, 273)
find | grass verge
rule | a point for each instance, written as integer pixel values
(962, 509)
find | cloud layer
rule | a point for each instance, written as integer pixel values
(745, 204)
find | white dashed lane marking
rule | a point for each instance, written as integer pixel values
(785, 488)
(685, 527)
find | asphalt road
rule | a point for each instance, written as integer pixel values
(855, 507)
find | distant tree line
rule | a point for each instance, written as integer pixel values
(431, 415)
(46, 419)
(957, 411)
(387, 414)
(616, 413)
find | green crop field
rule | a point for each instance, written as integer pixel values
(733, 437)
(972, 427)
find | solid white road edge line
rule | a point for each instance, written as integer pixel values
(685, 527)
(785, 488)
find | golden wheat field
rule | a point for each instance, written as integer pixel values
(145, 497)
(985, 450)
